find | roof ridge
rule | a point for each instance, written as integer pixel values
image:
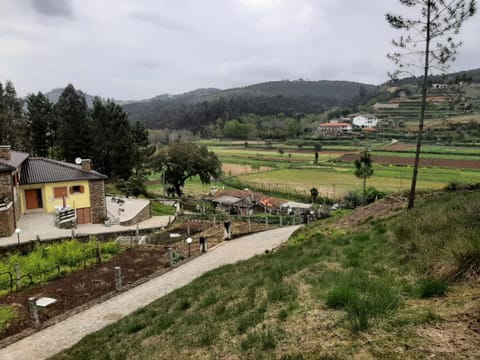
(64, 164)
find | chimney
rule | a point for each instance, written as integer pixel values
(5, 152)
(87, 164)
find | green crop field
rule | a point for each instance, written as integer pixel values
(336, 182)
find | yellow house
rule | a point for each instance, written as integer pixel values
(47, 185)
(29, 185)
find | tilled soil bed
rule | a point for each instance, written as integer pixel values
(86, 285)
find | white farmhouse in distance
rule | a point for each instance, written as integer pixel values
(365, 121)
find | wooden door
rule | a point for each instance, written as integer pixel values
(33, 199)
(84, 216)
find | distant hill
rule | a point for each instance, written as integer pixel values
(203, 106)
(53, 96)
(472, 76)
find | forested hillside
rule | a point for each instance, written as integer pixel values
(199, 108)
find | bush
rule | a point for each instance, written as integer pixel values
(353, 199)
(431, 287)
(374, 194)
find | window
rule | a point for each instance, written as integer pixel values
(77, 189)
(60, 192)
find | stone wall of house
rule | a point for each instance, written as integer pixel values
(7, 223)
(144, 214)
(5, 185)
(97, 201)
(8, 191)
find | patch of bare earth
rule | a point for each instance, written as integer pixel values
(399, 147)
(381, 209)
(237, 169)
(458, 335)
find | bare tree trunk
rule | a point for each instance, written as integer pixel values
(364, 190)
(411, 198)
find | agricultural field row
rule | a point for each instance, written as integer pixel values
(337, 182)
(428, 153)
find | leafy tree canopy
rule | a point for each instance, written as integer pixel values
(178, 162)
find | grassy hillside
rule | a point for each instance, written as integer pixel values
(379, 282)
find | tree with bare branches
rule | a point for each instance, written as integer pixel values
(427, 43)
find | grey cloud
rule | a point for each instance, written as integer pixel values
(152, 64)
(160, 21)
(57, 8)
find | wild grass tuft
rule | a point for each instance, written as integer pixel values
(431, 287)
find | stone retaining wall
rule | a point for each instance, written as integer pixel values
(144, 214)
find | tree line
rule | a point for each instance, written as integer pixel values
(69, 129)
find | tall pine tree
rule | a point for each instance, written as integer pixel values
(74, 125)
(39, 113)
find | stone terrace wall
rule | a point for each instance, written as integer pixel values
(97, 201)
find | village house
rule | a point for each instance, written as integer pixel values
(334, 129)
(245, 202)
(29, 185)
(365, 121)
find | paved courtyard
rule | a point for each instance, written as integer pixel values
(42, 225)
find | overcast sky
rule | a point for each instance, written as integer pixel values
(136, 49)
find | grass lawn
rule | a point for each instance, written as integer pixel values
(390, 289)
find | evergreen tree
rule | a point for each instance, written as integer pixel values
(118, 147)
(437, 22)
(39, 113)
(11, 117)
(74, 126)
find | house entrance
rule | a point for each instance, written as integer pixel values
(83, 216)
(33, 199)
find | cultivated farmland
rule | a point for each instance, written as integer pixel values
(295, 173)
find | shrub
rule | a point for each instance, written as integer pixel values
(352, 199)
(374, 194)
(431, 287)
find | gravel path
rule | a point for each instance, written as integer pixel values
(52, 340)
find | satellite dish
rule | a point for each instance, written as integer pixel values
(78, 161)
